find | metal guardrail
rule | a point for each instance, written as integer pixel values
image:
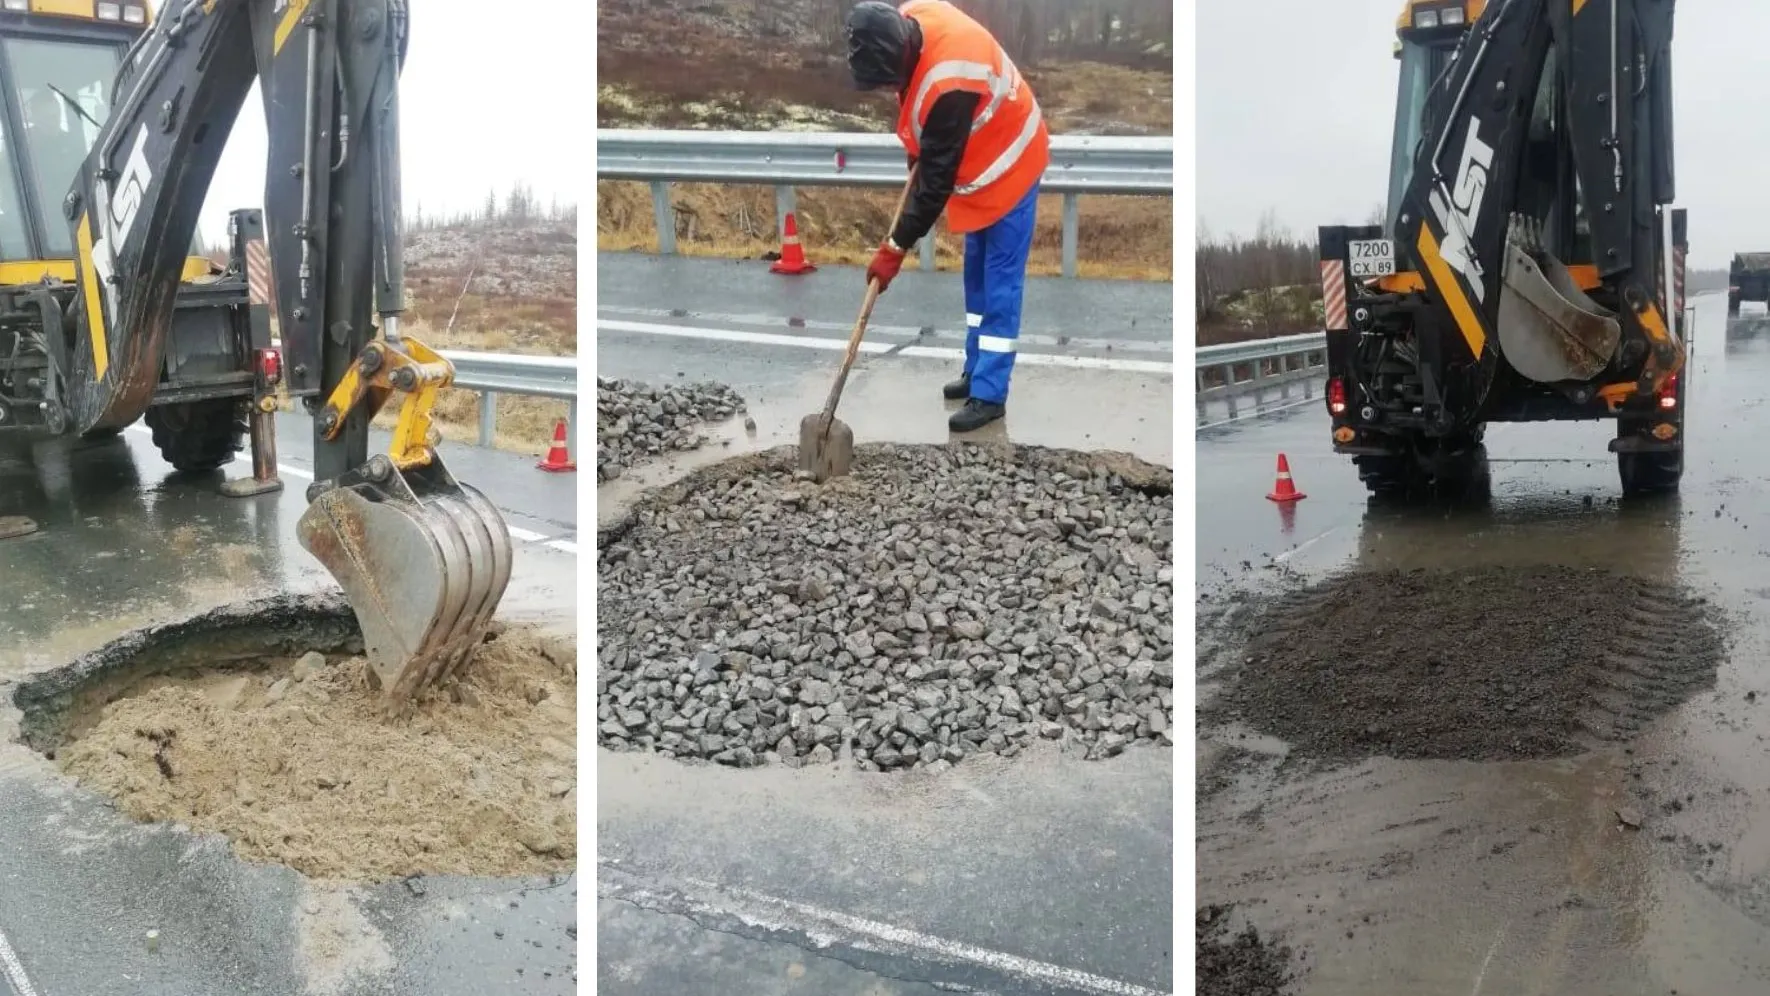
(1230, 373)
(1080, 164)
(492, 374)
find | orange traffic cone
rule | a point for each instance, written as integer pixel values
(1284, 490)
(559, 458)
(792, 256)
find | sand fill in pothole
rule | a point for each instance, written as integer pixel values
(1237, 964)
(941, 602)
(292, 759)
(1473, 664)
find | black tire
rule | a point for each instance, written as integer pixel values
(1389, 476)
(1650, 473)
(1733, 304)
(198, 436)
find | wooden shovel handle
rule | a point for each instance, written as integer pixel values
(866, 312)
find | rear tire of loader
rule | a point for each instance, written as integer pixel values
(1650, 473)
(199, 436)
(1389, 476)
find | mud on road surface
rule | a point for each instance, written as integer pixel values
(1427, 780)
(1476, 664)
(1237, 962)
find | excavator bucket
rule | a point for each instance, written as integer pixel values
(1549, 330)
(424, 561)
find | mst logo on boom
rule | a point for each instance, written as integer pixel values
(1457, 214)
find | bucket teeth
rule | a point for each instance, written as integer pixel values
(424, 562)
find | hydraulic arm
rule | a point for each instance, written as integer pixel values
(1549, 134)
(424, 560)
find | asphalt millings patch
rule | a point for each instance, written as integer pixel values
(940, 602)
(1475, 664)
(637, 422)
(1237, 964)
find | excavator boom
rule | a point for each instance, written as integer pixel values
(424, 559)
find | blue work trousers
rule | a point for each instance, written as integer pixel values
(995, 277)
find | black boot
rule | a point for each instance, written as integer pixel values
(975, 415)
(957, 390)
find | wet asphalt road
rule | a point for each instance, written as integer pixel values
(125, 542)
(1046, 874)
(1450, 877)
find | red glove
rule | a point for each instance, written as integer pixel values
(886, 262)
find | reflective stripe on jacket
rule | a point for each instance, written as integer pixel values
(1009, 146)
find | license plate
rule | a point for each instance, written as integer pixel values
(1371, 257)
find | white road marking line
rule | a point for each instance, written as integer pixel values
(908, 331)
(875, 348)
(826, 927)
(1300, 547)
(14, 969)
(516, 532)
(1481, 973)
(1259, 413)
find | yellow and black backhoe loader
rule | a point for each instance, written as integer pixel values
(1530, 267)
(113, 117)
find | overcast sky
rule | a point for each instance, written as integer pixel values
(1310, 140)
(491, 94)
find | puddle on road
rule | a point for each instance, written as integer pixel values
(257, 721)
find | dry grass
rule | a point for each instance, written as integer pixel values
(1123, 237)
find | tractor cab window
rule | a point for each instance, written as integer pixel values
(14, 244)
(63, 93)
(1421, 65)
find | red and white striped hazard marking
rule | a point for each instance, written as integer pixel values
(258, 271)
(1678, 277)
(1333, 293)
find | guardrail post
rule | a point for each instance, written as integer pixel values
(571, 426)
(1071, 222)
(488, 417)
(928, 251)
(783, 206)
(665, 216)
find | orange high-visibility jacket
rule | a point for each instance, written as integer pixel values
(1009, 147)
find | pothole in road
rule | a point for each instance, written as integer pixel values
(256, 721)
(943, 601)
(1474, 664)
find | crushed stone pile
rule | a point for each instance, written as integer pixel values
(939, 602)
(1240, 964)
(1472, 664)
(295, 763)
(636, 422)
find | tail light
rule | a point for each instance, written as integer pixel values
(1668, 392)
(270, 365)
(1336, 390)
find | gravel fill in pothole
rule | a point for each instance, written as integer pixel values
(637, 422)
(1478, 664)
(261, 726)
(940, 602)
(1241, 964)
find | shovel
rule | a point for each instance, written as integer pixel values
(826, 443)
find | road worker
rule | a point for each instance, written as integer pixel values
(970, 121)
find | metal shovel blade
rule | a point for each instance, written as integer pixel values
(424, 570)
(826, 447)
